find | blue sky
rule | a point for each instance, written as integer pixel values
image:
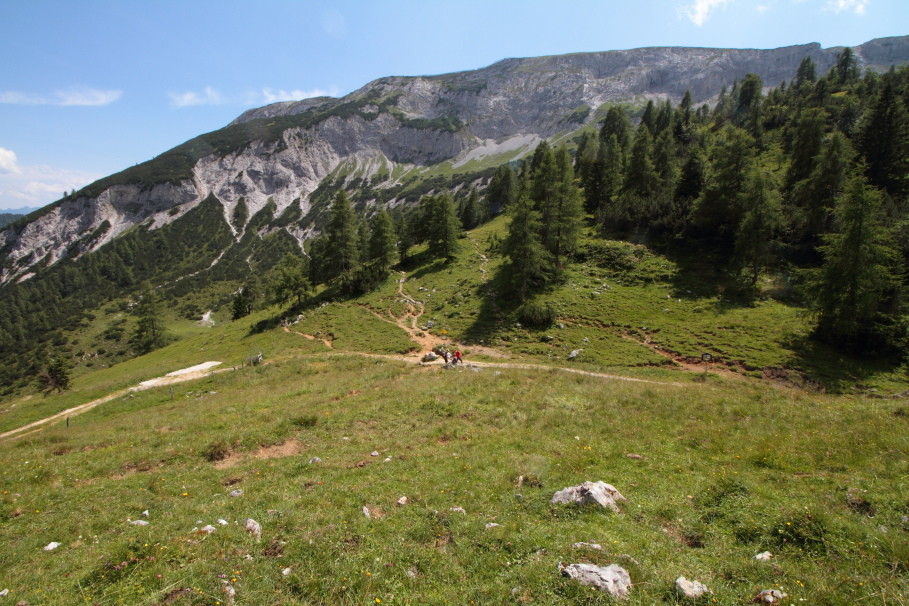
(90, 87)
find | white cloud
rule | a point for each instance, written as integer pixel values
(72, 97)
(762, 8)
(273, 96)
(8, 163)
(856, 6)
(208, 96)
(700, 10)
(35, 185)
(86, 96)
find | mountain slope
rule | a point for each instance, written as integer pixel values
(388, 133)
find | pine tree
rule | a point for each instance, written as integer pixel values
(56, 376)
(341, 238)
(806, 73)
(472, 214)
(807, 137)
(855, 291)
(814, 198)
(610, 174)
(150, 332)
(762, 220)
(884, 141)
(528, 260)
(617, 123)
(444, 227)
(383, 240)
(502, 189)
(716, 213)
(288, 281)
(561, 212)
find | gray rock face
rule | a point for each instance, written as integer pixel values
(399, 124)
(612, 579)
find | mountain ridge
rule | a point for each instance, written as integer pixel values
(390, 132)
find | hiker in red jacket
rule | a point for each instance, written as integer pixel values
(457, 357)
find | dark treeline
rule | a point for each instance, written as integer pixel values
(810, 179)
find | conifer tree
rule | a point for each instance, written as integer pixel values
(562, 211)
(382, 240)
(56, 376)
(884, 140)
(444, 227)
(150, 332)
(472, 214)
(762, 220)
(288, 281)
(502, 189)
(341, 238)
(617, 123)
(528, 260)
(855, 292)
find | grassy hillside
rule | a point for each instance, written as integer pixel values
(731, 459)
(730, 468)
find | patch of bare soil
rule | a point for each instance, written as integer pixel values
(287, 448)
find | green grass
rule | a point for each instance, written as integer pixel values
(734, 463)
(731, 470)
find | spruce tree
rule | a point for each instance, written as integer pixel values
(855, 292)
(562, 212)
(502, 189)
(288, 281)
(884, 141)
(383, 240)
(342, 238)
(444, 227)
(617, 123)
(528, 260)
(150, 333)
(762, 220)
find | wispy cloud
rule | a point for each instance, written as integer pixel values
(699, 11)
(81, 96)
(208, 96)
(273, 96)
(8, 164)
(854, 6)
(35, 185)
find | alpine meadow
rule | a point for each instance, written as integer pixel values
(675, 279)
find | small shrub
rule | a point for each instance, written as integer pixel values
(535, 314)
(305, 421)
(216, 451)
(803, 529)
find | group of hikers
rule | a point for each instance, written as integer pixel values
(451, 358)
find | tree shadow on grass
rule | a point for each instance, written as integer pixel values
(828, 369)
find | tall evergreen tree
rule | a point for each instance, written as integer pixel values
(150, 332)
(806, 73)
(502, 189)
(716, 213)
(855, 292)
(528, 260)
(562, 211)
(762, 220)
(617, 123)
(814, 197)
(884, 140)
(472, 213)
(444, 227)
(288, 281)
(382, 239)
(341, 238)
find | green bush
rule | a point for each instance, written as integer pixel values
(535, 314)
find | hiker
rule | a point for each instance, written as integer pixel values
(445, 356)
(457, 357)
